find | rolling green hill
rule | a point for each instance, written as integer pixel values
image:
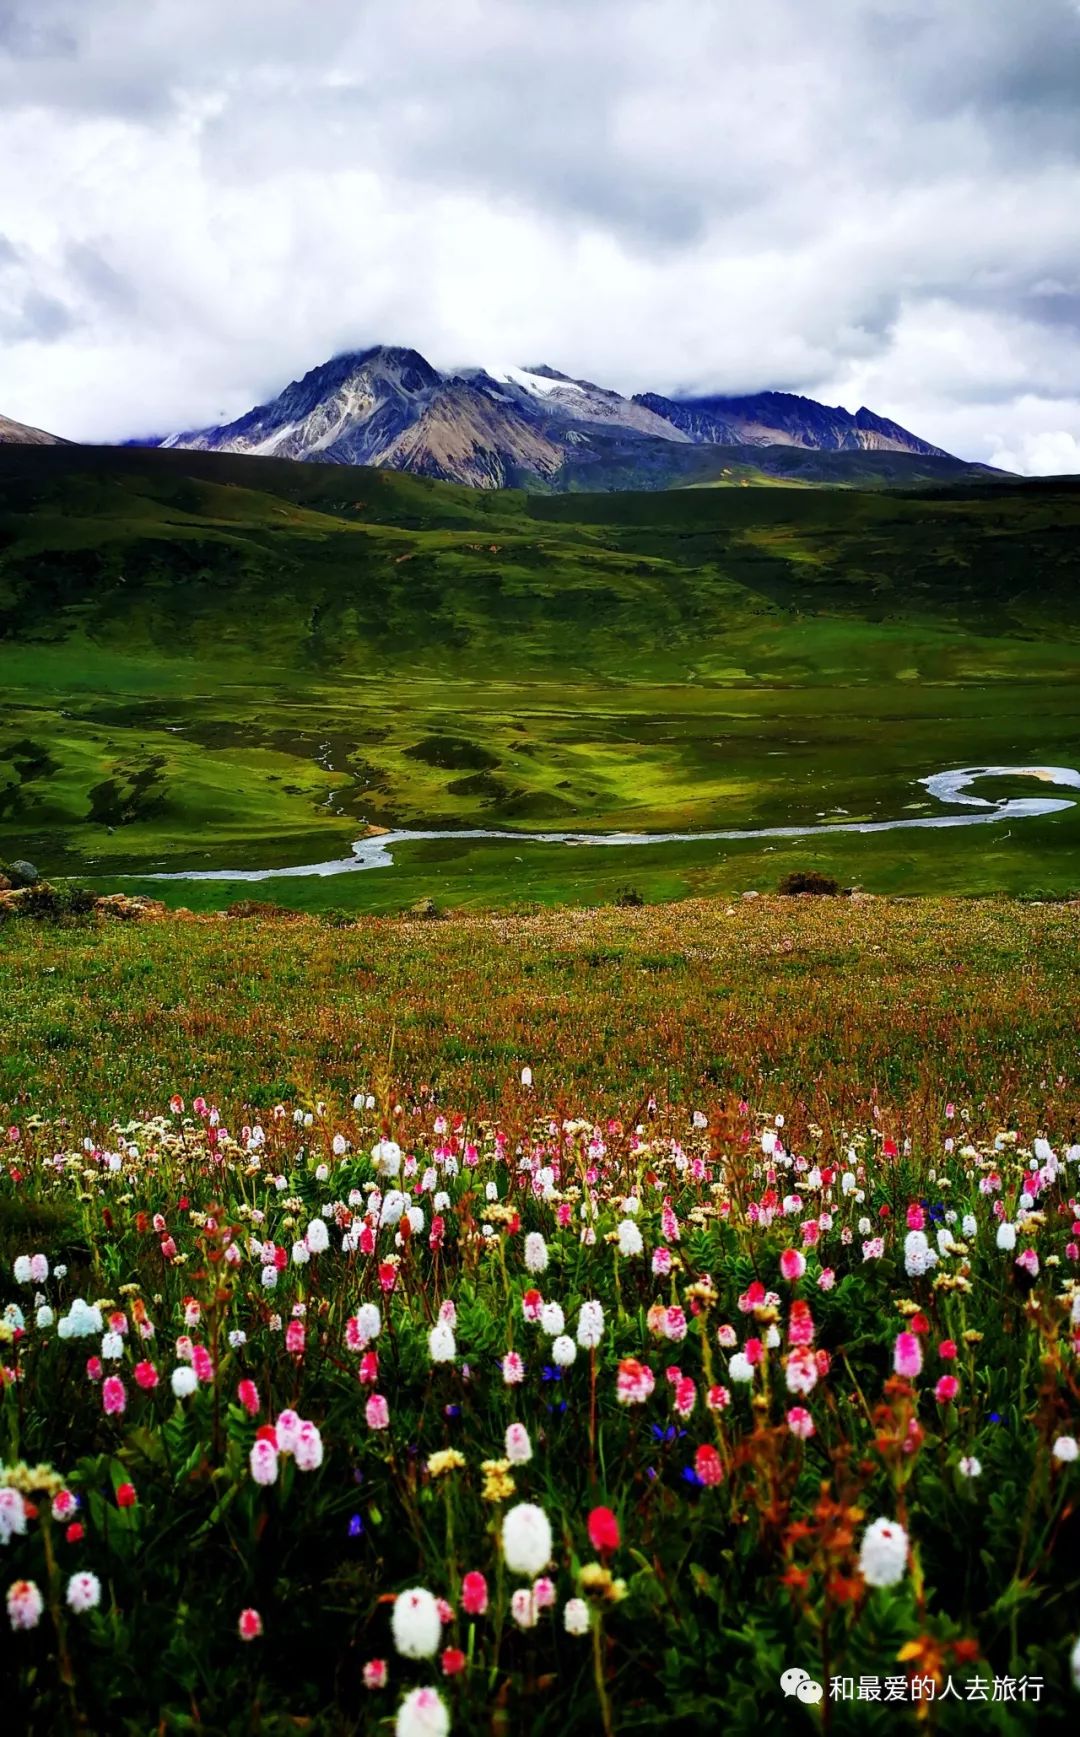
(210, 660)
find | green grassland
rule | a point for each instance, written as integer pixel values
(219, 662)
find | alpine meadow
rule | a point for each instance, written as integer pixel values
(539, 904)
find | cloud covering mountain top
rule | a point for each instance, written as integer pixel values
(867, 201)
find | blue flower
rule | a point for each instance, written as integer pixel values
(690, 1476)
(356, 1527)
(551, 1372)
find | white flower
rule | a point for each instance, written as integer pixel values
(1065, 1449)
(563, 1351)
(590, 1324)
(184, 1381)
(536, 1254)
(526, 1076)
(308, 1448)
(1006, 1236)
(883, 1553)
(630, 1239)
(552, 1320)
(523, 1607)
(387, 1156)
(84, 1592)
(526, 1539)
(301, 1254)
(441, 1342)
(21, 1269)
(415, 1624)
(12, 1514)
(317, 1236)
(518, 1445)
(112, 1346)
(970, 1467)
(422, 1714)
(44, 1316)
(369, 1320)
(740, 1367)
(576, 1617)
(415, 1217)
(1074, 1661)
(393, 1205)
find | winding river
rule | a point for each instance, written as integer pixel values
(953, 786)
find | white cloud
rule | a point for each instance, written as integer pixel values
(865, 200)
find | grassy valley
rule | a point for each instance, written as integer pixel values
(212, 661)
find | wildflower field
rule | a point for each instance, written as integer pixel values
(547, 1324)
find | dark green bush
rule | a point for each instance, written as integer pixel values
(808, 881)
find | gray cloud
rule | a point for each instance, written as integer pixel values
(867, 200)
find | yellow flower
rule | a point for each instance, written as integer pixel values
(447, 1460)
(498, 1484)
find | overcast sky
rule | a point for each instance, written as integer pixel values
(868, 201)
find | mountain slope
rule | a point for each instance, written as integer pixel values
(493, 427)
(21, 434)
(783, 419)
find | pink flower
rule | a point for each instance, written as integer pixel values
(24, 1604)
(947, 1389)
(947, 1349)
(826, 1279)
(1029, 1260)
(474, 1593)
(661, 1262)
(718, 1398)
(800, 1423)
(368, 1372)
(685, 1396)
(375, 1674)
(202, 1363)
(250, 1625)
(113, 1396)
(146, 1376)
(294, 1338)
(94, 1369)
(248, 1395)
(513, 1369)
(634, 1382)
(543, 1592)
(907, 1355)
(263, 1461)
(801, 1372)
(916, 1218)
(377, 1412)
(792, 1264)
(674, 1324)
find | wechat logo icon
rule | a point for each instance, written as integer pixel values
(801, 1684)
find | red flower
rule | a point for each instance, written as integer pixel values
(603, 1529)
(125, 1496)
(266, 1432)
(75, 1533)
(708, 1465)
(919, 1323)
(452, 1661)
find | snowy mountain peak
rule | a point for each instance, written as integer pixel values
(501, 424)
